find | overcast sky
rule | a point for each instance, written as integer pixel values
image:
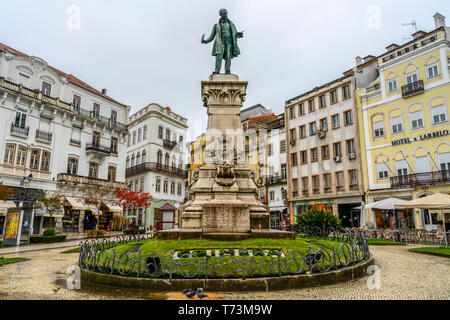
(150, 51)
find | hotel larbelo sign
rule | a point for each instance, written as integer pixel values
(427, 136)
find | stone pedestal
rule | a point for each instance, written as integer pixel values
(224, 201)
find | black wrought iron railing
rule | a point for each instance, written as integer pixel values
(421, 179)
(98, 148)
(275, 179)
(20, 130)
(413, 88)
(169, 144)
(43, 135)
(157, 167)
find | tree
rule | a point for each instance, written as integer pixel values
(50, 204)
(6, 192)
(318, 218)
(132, 199)
(99, 198)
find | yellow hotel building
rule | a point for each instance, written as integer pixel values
(197, 154)
(402, 105)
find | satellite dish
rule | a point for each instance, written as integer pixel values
(177, 205)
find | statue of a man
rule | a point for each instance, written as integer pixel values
(225, 46)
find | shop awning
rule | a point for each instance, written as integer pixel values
(386, 204)
(115, 208)
(5, 205)
(76, 203)
(436, 201)
(39, 212)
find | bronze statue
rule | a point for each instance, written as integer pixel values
(225, 44)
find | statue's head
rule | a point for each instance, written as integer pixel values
(223, 13)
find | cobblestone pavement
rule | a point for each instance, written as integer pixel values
(404, 275)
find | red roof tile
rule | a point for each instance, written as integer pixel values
(71, 78)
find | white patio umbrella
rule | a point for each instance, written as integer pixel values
(386, 204)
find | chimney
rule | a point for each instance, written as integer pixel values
(104, 92)
(439, 20)
(359, 60)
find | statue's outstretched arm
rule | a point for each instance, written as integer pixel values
(211, 37)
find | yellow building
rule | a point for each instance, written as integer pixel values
(197, 154)
(402, 103)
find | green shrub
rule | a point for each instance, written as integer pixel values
(200, 253)
(1, 258)
(47, 239)
(49, 233)
(1, 243)
(136, 231)
(318, 218)
(224, 252)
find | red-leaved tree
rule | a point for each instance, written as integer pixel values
(133, 199)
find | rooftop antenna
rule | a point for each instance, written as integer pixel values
(412, 23)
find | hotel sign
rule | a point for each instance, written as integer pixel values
(422, 137)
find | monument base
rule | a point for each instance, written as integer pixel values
(183, 234)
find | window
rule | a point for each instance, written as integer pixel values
(158, 185)
(433, 71)
(382, 171)
(172, 188)
(322, 101)
(138, 158)
(269, 150)
(348, 117)
(311, 105)
(24, 80)
(304, 157)
(179, 189)
(283, 171)
(46, 88)
(96, 111)
(133, 160)
(316, 184)
(353, 178)
(411, 78)
(21, 156)
(96, 136)
(444, 161)
(144, 134)
(21, 116)
(337, 149)
(439, 114)
(335, 121)
(393, 85)
(141, 188)
(168, 134)
(139, 135)
(305, 187)
(416, 119)
(333, 97)
(113, 117)
(72, 166)
(159, 157)
(129, 140)
(293, 133)
(128, 162)
(350, 146)
(134, 137)
(314, 155)
(346, 92)
(302, 132)
(93, 170)
(114, 143)
(312, 128)
(144, 156)
(160, 132)
(136, 185)
(167, 160)
(271, 196)
(166, 186)
(295, 185)
(378, 129)
(325, 152)
(282, 146)
(294, 159)
(76, 103)
(34, 160)
(397, 125)
(324, 124)
(9, 153)
(339, 181)
(45, 161)
(112, 174)
(401, 166)
(292, 113)
(327, 182)
(301, 109)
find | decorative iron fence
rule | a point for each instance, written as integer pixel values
(102, 256)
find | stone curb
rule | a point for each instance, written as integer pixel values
(230, 285)
(431, 253)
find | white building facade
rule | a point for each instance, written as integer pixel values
(156, 163)
(66, 135)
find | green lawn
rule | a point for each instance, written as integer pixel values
(74, 250)
(382, 242)
(439, 251)
(11, 260)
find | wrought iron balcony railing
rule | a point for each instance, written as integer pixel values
(20, 130)
(98, 148)
(169, 144)
(43, 135)
(421, 179)
(156, 167)
(412, 88)
(275, 179)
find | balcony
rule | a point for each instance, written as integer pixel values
(43, 136)
(412, 89)
(271, 180)
(169, 144)
(97, 148)
(156, 167)
(75, 142)
(295, 194)
(421, 179)
(18, 130)
(88, 182)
